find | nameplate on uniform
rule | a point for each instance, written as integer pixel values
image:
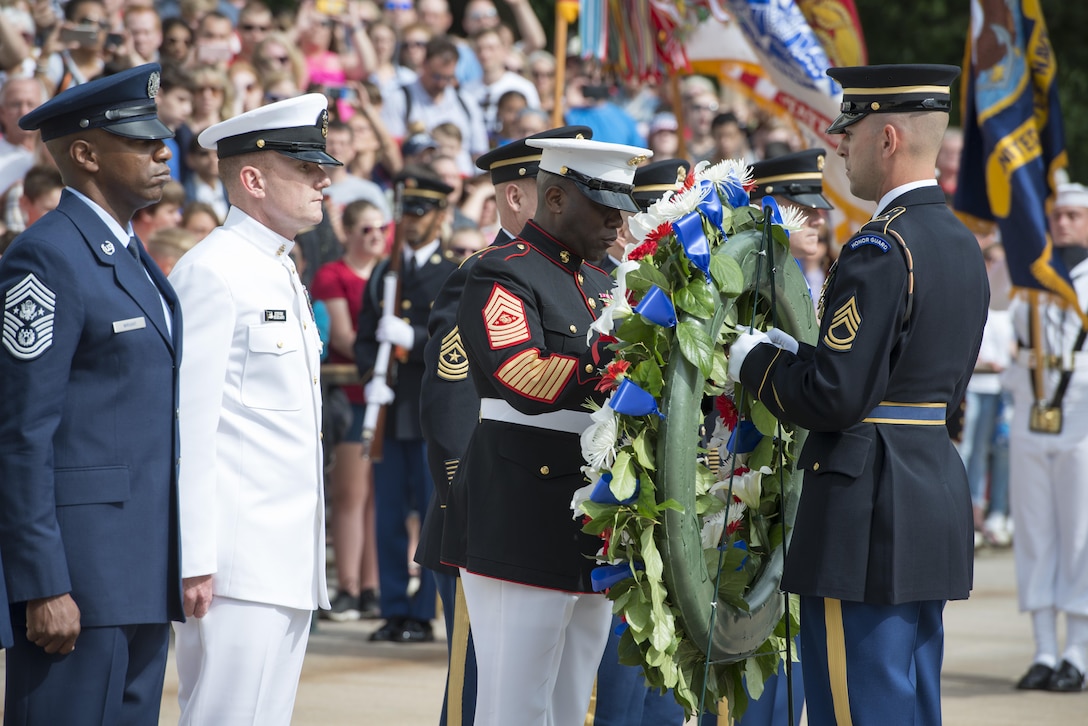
(123, 326)
(275, 316)
(870, 239)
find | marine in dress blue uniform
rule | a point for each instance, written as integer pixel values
(449, 408)
(402, 482)
(538, 628)
(89, 430)
(883, 536)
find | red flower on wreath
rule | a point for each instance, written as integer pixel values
(727, 411)
(614, 373)
(649, 246)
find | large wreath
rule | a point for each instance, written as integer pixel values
(693, 487)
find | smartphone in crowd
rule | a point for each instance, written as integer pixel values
(82, 35)
(331, 8)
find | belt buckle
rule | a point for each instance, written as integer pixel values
(1045, 419)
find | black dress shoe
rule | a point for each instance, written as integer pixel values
(1067, 679)
(1037, 678)
(390, 631)
(415, 631)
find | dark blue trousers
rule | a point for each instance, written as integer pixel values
(461, 676)
(623, 698)
(872, 664)
(402, 485)
(114, 677)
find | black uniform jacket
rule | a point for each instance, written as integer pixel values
(418, 288)
(885, 514)
(524, 316)
(448, 406)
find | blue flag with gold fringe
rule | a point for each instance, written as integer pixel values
(1013, 142)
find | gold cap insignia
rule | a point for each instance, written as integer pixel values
(636, 160)
(681, 175)
(820, 163)
(875, 105)
(323, 119)
(260, 143)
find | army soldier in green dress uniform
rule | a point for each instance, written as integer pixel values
(883, 536)
(539, 629)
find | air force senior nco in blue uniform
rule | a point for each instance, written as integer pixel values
(88, 423)
(884, 532)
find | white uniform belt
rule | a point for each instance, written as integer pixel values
(571, 422)
(1026, 358)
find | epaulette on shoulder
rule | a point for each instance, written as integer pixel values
(515, 248)
(876, 232)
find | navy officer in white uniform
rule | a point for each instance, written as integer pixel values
(88, 423)
(252, 501)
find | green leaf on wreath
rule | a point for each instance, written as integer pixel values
(644, 450)
(635, 329)
(765, 421)
(726, 274)
(638, 618)
(651, 557)
(696, 298)
(648, 375)
(719, 366)
(623, 477)
(647, 274)
(763, 455)
(695, 345)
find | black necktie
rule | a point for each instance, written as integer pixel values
(134, 249)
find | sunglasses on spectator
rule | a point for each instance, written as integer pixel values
(481, 14)
(92, 21)
(462, 251)
(415, 44)
(251, 28)
(542, 74)
(399, 5)
(368, 230)
(704, 107)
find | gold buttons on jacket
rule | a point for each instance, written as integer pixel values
(592, 304)
(405, 304)
(573, 328)
(279, 343)
(544, 470)
(816, 466)
(589, 367)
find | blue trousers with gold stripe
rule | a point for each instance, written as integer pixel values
(872, 664)
(459, 703)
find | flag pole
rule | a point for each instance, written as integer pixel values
(566, 12)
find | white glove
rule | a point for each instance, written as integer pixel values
(740, 349)
(395, 331)
(378, 392)
(783, 340)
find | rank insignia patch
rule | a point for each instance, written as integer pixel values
(28, 318)
(844, 327)
(452, 361)
(870, 239)
(541, 379)
(504, 316)
(275, 316)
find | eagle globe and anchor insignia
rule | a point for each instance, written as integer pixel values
(28, 318)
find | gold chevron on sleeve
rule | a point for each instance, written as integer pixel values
(504, 316)
(541, 379)
(452, 360)
(451, 469)
(844, 326)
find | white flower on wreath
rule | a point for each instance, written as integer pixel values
(715, 524)
(733, 171)
(580, 497)
(599, 443)
(641, 224)
(794, 218)
(679, 205)
(616, 307)
(747, 487)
